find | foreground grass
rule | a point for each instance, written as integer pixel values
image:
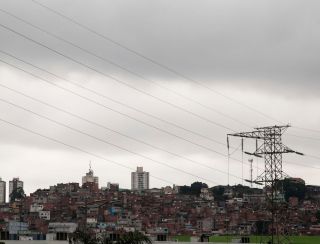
(256, 239)
(306, 239)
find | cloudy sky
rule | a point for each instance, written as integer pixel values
(157, 84)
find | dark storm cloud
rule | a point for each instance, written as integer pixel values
(268, 44)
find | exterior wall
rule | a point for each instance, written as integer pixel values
(140, 180)
(62, 227)
(90, 178)
(15, 227)
(36, 207)
(44, 215)
(15, 184)
(2, 191)
(113, 186)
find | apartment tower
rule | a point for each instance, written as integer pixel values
(139, 180)
(2, 191)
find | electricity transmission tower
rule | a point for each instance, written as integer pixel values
(272, 150)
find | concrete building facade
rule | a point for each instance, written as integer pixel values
(2, 191)
(14, 184)
(139, 180)
(90, 178)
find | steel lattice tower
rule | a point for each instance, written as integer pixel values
(272, 149)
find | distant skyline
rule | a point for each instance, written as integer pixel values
(258, 54)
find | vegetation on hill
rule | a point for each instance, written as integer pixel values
(17, 194)
(193, 189)
(294, 189)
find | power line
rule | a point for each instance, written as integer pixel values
(76, 148)
(105, 141)
(106, 107)
(115, 79)
(51, 83)
(306, 129)
(99, 104)
(304, 165)
(123, 68)
(109, 129)
(132, 138)
(312, 156)
(151, 60)
(304, 137)
(165, 67)
(112, 99)
(91, 68)
(308, 138)
(84, 151)
(287, 162)
(113, 110)
(154, 127)
(54, 84)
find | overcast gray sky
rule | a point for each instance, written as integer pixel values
(264, 54)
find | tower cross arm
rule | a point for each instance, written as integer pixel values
(252, 134)
(285, 149)
(280, 149)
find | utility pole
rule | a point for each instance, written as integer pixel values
(272, 150)
(251, 171)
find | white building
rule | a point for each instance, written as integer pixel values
(2, 191)
(167, 190)
(139, 180)
(44, 215)
(36, 207)
(89, 177)
(55, 227)
(92, 222)
(14, 184)
(206, 194)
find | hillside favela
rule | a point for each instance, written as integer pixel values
(170, 213)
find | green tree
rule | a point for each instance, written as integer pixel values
(218, 192)
(85, 237)
(194, 189)
(185, 190)
(134, 238)
(197, 186)
(294, 189)
(17, 194)
(318, 215)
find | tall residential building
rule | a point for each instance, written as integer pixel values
(90, 178)
(139, 180)
(2, 191)
(14, 184)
